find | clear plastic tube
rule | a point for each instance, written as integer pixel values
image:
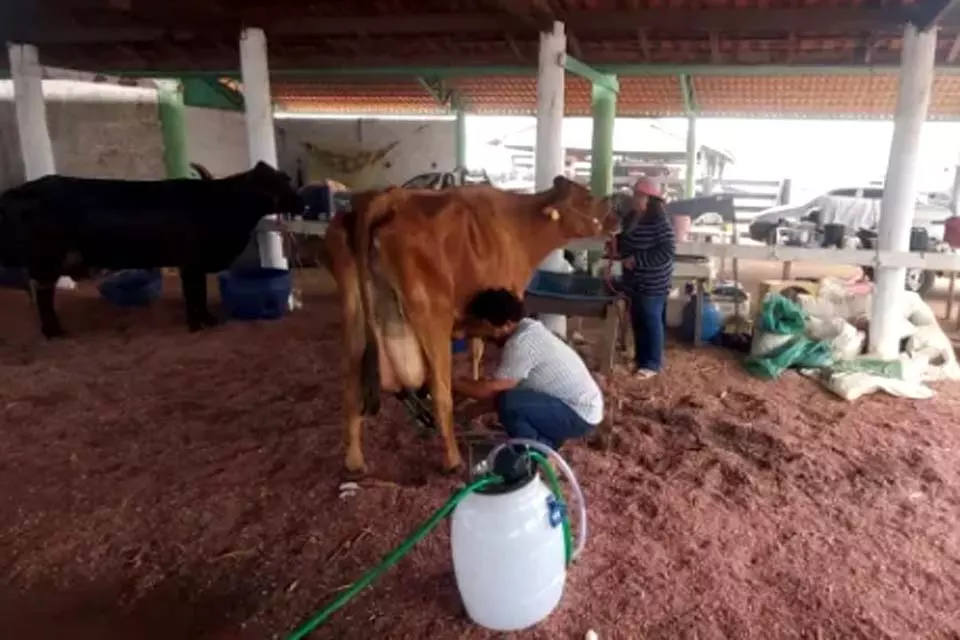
(567, 471)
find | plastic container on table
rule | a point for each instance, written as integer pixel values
(681, 227)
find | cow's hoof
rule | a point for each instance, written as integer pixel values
(209, 321)
(454, 470)
(353, 475)
(354, 469)
(194, 327)
(53, 333)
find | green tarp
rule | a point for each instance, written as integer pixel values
(784, 317)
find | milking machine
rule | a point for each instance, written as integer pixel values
(510, 540)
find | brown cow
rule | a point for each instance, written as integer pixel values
(421, 255)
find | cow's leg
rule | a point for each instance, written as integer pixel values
(193, 282)
(476, 357)
(355, 403)
(442, 360)
(436, 346)
(45, 286)
(207, 319)
(353, 411)
(344, 271)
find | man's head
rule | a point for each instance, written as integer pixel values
(494, 314)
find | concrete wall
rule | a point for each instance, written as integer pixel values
(104, 131)
(347, 150)
(91, 140)
(114, 132)
(217, 140)
(96, 130)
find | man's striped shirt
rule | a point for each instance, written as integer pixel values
(650, 241)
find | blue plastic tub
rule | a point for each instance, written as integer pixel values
(132, 287)
(14, 279)
(255, 293)
(568, 285)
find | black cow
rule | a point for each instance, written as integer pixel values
(52, 225)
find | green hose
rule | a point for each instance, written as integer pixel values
(541, 460)
(419, 534)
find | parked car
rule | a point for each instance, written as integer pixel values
(919, 281)
(928, 214)
(445, 179)
(855, 212)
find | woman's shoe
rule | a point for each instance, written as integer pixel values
(645, 374)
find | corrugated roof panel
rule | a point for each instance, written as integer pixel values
(803, 95)
(865, 96)
(650, 96)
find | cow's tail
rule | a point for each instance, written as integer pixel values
(368, 218)
(393, 356)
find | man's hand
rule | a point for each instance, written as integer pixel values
(629, 262)
(473, 409)
(481, 389)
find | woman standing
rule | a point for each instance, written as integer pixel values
(646, 248)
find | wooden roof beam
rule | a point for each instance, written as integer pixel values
(515, 48)
(715, 53)
(741, 21)
(954, 50)
(578, 68)
(645, 45)
(929, 13)
(438, 90)
(574, 45)
(792, 45)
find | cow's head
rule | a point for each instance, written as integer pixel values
(278, 187)
(578, 213)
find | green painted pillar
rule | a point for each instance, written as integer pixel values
(604, 108)
(690, 186)
(171, 110)
(460, 141)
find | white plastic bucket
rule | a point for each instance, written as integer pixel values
(508, 558)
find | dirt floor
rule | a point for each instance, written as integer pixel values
(156, 484)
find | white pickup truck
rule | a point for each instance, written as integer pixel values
(858, 211)
(445, 179)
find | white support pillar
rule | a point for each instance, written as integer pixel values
(917, 61)
(261, 139)
(690, 178)
(549, 155)
(35, 146)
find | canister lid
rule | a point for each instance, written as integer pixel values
(514, 464)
